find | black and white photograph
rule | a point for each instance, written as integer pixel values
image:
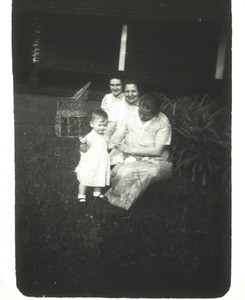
(122, 114)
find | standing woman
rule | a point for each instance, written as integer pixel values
(116, 95)
(146, 136)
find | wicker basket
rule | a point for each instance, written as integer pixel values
(71, 116)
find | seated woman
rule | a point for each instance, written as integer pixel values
(146, 135)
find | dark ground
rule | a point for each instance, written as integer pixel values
(174, 241)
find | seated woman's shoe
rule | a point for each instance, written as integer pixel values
(100, 196)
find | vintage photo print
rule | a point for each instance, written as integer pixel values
(121, 126)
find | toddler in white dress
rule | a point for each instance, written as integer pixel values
(93, 169)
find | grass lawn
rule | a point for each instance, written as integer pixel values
(174, 241)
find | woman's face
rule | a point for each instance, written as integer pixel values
(145, 114)
(131, 93)
(116, 86)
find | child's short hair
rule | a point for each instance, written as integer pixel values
(99, 114)
(151, 101)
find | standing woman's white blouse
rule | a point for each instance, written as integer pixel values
(121, 111)
(109, 100)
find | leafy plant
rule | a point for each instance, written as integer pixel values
(201, 137)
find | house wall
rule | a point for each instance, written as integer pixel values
(168, 43)
(208, 10)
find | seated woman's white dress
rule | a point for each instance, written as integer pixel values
(130, 179)
(94, 167)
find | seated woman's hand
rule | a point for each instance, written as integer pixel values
(111, 146)
(124, 148)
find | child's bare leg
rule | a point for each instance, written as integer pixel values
(97, 191)
(82, 192)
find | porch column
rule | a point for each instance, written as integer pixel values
(220, 63)
(123, 46)
(36, 39)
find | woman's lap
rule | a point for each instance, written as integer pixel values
(129, 180)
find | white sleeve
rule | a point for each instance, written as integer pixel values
(163, 134)
(103, 103)
(119, 134)
(113, 113)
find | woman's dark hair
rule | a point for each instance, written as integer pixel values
(99, 113)
(130, 81)
(115, 75)
(151, 101)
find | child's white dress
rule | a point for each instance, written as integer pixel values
(94, 166)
